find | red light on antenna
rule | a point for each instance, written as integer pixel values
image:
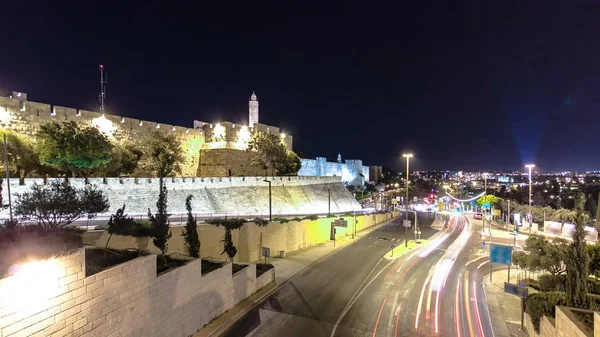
(101, 66)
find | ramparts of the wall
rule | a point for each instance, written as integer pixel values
(226, 163)
(351, 171)
(130, 299)
(35, 114)
(229, 195)
(249, 239)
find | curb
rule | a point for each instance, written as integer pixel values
(225, 327)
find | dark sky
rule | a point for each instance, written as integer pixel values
(462, 84)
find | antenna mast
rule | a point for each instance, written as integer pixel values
(102, 95)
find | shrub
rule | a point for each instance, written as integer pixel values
(260, 222)
(227, 223)
(296, 219)
(593, 286)
(35, 242)
(543, 304)
(311, 217)
(282, 220)
(549, 282)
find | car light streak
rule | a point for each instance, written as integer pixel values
(437, 311)
(477, 309)
(421, 298)
(456, 307)
(379, 317)
(467, 303)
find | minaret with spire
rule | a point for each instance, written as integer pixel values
(253, 110)
(339, 158)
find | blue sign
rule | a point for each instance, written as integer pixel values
(514, 289)
(392, 246)
(501, 254)
(486, 206)
(482, 243)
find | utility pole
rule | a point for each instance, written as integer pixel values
(102, 96)
(407, 156)
(530, 166)
(7, 179)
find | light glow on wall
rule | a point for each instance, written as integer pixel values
(5, 116)
(244, 134)
(31, 286)
(219, 132)
(104, 125)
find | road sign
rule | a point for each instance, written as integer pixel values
(486, 206)
(482, 243)
(340, 223)
(332, 233)
(406, 223)
(392, 246)
(266, 252)
(515, 289)
(496, 212)
(501, 254)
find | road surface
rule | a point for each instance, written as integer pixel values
(362, 291)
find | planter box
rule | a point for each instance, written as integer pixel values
(244, 283)
(266, 278)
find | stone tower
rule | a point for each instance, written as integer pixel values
(339, 158)
(253, 110)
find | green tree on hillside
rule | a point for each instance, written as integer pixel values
(577, 258)
(22, 154)
(73, 149)
(163, 155)
(269, 153)
(598, 210)
(489, 199)
(541, 255)
(124, 159)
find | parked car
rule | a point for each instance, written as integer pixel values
(477, 216)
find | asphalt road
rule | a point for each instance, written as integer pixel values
(435, 290)
(312, 303)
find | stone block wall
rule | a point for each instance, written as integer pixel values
(351, 171)
(125, 300)
(564, 324)
(26, 117)
(231, 195)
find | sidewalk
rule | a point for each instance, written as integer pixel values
(505, 309)
(285, 270)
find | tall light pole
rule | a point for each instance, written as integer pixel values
(329, 203)
(485, 198)
(270, 205)
(407, 156)
(530, 166)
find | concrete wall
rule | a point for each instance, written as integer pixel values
(564, 324)
(125, 300)
(288, 237)
(231, 195)
(350, 171)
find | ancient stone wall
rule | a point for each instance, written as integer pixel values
(231, 195)
(351, 171)
(26, 117)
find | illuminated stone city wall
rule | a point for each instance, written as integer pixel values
(55, 298)
(249, 239)
(222, 144)
(26, 117)
(228, 195)
(351, 171)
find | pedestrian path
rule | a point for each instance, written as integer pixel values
(285, 269)
(504, 309)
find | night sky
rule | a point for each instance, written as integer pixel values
(462, 84)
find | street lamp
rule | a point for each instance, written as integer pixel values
(407, 156)
(530, 166)
(329, 202)
(270, 206)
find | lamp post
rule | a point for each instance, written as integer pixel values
(407, 156)
(270, 206)
(328, 202)
(530, 166)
